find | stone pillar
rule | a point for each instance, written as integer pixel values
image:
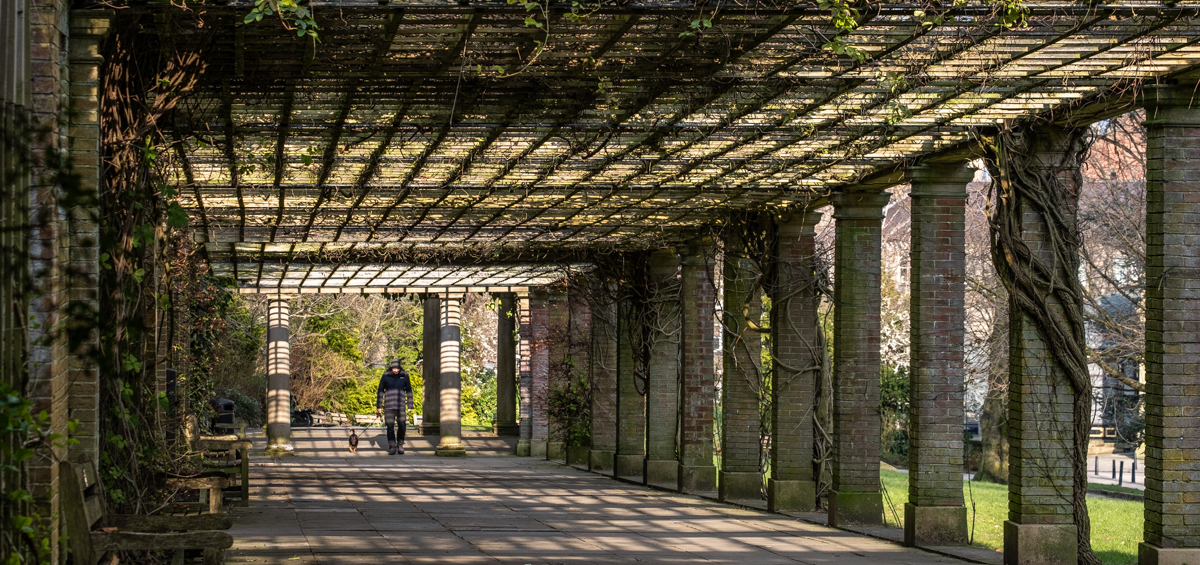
(796, 351)
(431, 366)
(935, 513)
(1172, 499)
(698, 389)
(661, 466)
(558, 376)
(506, 367)
(631, 404)
(740, 477)
(524, 378)
(279, 392)
(1041, 524)
(450, 422)
(601, 458)
(539, 373)
(854, 495)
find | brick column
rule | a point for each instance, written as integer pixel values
(740, 477)
(604, 378)
(797, 355)
(1172, 529)
(854, 495)
(661, 465)
(539, 372)
(431, 366)
(1040, 526)
(935, 514)
(279, 393)
(698, 297)
(88, 30)
(506, 367)
(450, 421)
(578, 365)
(1041, 522)
(524, 378)
(558, 344)
(631, 405)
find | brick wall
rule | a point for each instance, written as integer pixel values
(698, 297)
(524, 375)
(539, 365)
(937, 310)
(856, 424)
(1173, 320)
(795, 349)
(742, 362)
(506, 360)
(558, 345)
(662, 390)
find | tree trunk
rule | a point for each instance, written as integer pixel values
(993, 423)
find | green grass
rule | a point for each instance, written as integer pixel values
(1115, 488)
(477, 427)
(1116, 524)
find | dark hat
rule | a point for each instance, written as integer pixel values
(395, 364)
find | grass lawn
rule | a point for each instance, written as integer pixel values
(1116, 524)
(477, 428)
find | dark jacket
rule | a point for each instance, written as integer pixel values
(395, 392)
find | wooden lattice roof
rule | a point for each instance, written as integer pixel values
(394, 140)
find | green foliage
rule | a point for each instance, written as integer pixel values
(845, 18)
(478, 396)
(355, 396)
(1011, 13)
(292, 15)
(25, 536)
(893, 400)
(570, 405)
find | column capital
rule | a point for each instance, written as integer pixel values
(88, 30)
(697, 252)
(949, 179)
(664, 262)
(1171, 103)
(859, 205)
(799, 223)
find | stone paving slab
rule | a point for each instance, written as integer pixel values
(339, 508)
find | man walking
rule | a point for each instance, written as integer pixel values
(395, 394)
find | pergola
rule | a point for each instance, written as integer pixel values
(442, 146)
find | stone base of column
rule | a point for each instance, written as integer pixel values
(739, 486)
(697, 479)
(791, 495)
(629, 465)
(847, 507)
(935, 525)
(601, 461)
(280, 450)
(1150, 554)
(556, 451)
(450, 450)
(1039, 544)
(432, 429)
(512, 429)
(537, 448)
(660, 472)
(523, 448)
(577, 455)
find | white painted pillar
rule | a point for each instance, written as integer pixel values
(279, 393)
(451, 379)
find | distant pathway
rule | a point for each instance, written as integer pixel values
(416, 508)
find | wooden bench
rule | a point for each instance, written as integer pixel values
(91, 534)
(211, 488)
(231, 457)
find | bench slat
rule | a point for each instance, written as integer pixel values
(121, 541)
(154, 524)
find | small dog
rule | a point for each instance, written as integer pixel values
(353, 441)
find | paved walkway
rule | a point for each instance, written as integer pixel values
(417, 508)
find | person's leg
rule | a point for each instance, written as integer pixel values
(389, 420)
(401, 428)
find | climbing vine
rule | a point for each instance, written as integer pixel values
(1042, 276)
